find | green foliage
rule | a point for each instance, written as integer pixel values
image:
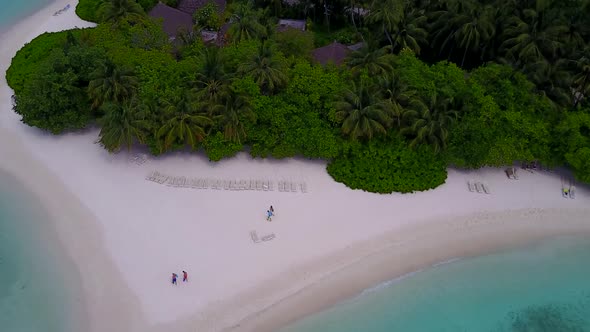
(410, 108)
(217, 147)
(54, 98)
(208, 17)
(573, 137)
(88, 10)
(295, 43)
(503, 121)
(388, 166)
(28, 60)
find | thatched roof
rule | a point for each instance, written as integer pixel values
(173, 19)
(191, 6)
(332, 53)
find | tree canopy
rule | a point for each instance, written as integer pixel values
(432, 84)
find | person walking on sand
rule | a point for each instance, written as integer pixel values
(174, 277)
(184, 276)
(268, 215)
(272, 210)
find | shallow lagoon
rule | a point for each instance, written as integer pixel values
(541, 288)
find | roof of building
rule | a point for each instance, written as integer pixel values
(191, 6)
(291, 24)
(332, 53)
(173, 19)
(356, 47)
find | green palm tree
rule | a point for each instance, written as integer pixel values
(184, 125)
(432, 123)
(266, 69)
(581, 79)
(377, 62)
(386, 14)
(246, 22)
(399, 101)
(529, 41)
(212, 78)
(122, 125)
(111, 83)
(232, 110)
(447, 20)
(112, 11)
(213, 64)
(361, 112)
(410, 32)
(553, 80)
(475, 29)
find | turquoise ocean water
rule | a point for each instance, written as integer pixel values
(34, 296)
(540, 288)
(11, 11)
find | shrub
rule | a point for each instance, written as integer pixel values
(294, 42)
(386, 167)
(28, 59)
(208, 17)
(88, 9)
(217, 147)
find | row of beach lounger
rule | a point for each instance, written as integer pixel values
(478, 187)
(62, 10)
(138, 159)
(202, 183)
(264, 238)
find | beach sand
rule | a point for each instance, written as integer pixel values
(127, 235)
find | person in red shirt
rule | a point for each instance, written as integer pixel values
(184, 276)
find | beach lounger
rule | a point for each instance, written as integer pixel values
(265, 185)
(198, 183)
(281, 186)
(303, 186)
(171, 182)
(254, 237)
(471, 186)
(271, 185)
(268, 237)
(176, 182)
(293, 187)
(572, 192)
(485, 188)
(478, 187)
(152, 176)
(258, 185)
(184, 182)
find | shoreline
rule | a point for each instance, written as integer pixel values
(76, 229)
(126, 234)
(35, 236)
(8, 26)
(481, 234)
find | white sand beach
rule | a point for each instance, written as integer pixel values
(127, 235)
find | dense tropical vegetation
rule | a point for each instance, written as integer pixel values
(438, 82)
